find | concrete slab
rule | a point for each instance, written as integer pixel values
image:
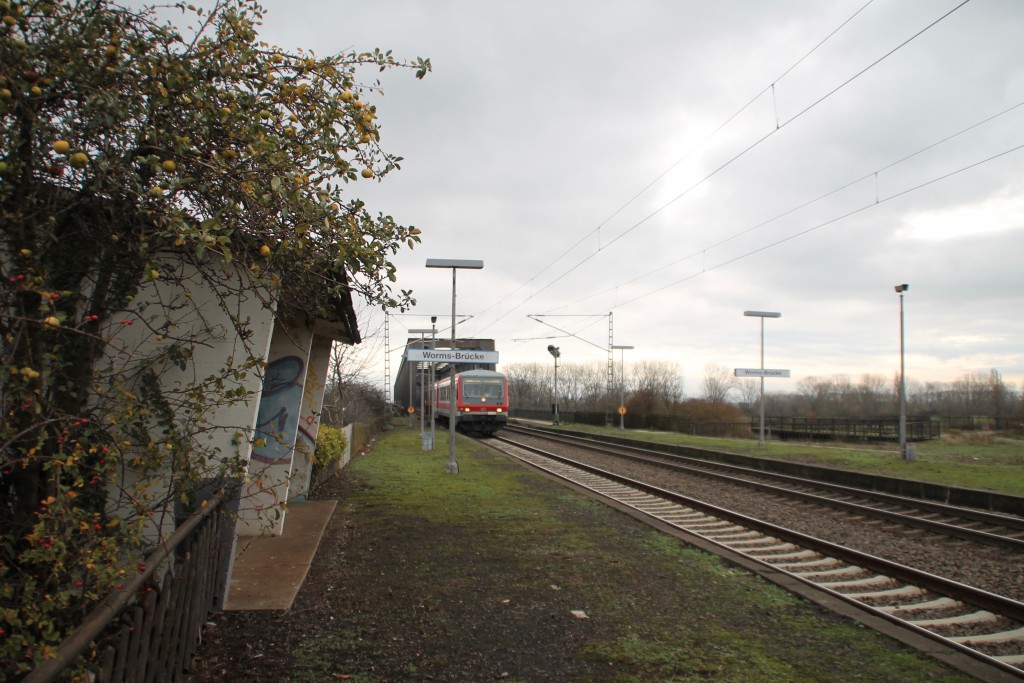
(269, 570)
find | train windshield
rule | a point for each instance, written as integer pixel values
(483, 390)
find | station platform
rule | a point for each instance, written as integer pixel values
(269, 570)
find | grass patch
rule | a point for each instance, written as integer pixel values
(977, 461)
(475, 577)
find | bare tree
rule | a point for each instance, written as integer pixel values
(818, 393)
(718, 382)
(657, 386)
(527, 385)
(872, 395)
(749, 394)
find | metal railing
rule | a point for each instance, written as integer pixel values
(149, 630)
(850, 429)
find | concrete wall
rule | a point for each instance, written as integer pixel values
(309, 420)
(189, 313)
(267, 417)
(264, 498)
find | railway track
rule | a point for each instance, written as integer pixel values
(977, 526)
(986, 628)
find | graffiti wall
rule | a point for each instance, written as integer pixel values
(309, 420)
(277, 422)
(263, 505)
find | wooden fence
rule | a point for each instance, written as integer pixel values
(148, 631)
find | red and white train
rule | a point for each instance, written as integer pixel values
(480, 397)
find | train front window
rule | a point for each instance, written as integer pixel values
(483, 390)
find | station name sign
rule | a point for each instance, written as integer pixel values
(450, 356)
(758, 372)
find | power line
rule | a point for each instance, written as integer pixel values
(804, 205)
(724, 165)
(823, 224)
(660, 176)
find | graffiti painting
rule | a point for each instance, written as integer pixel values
(277, 421)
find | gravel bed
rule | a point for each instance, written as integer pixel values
(993, 569)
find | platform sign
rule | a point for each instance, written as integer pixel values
(758, 372)
(450, 356)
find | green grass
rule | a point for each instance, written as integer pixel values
(516, 552)
(977, 461)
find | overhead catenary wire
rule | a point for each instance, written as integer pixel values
(702, 251)
(718, 169)
(823, 224)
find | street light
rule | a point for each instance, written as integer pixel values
(433, 380)
(900, 289)
(553, 350)
(622, 384)
(454, 264)
(421, 332)
(762, 315)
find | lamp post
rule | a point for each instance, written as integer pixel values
(762, 315)
(455, 265)
(422, 332)
(433, 379)
(900, 289)
(554, 351)
(622, 384)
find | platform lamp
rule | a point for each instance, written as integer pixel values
(622, 384)
(433, 380)
(422, 332)
(762, 315)
(556, 353)
(455, 265)
(900, 289)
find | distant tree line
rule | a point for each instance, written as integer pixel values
(983, 394)
(652, 392)
(657, 388)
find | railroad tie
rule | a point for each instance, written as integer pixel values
(928, 605)
(981, 617)
(1003, 637)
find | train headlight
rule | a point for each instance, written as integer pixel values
(499, 410)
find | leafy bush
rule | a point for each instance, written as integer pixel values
(330, 446)
(139, 165)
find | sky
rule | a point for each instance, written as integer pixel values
(649, 170)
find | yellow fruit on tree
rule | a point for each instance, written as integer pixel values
(169, 165)
(264, 251)
(51, 321)
(367, 173)
(156, 191)
(61, 147)
(79, 160)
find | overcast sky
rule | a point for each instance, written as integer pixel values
(674, 163)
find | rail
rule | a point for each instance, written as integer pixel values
(147, 633)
